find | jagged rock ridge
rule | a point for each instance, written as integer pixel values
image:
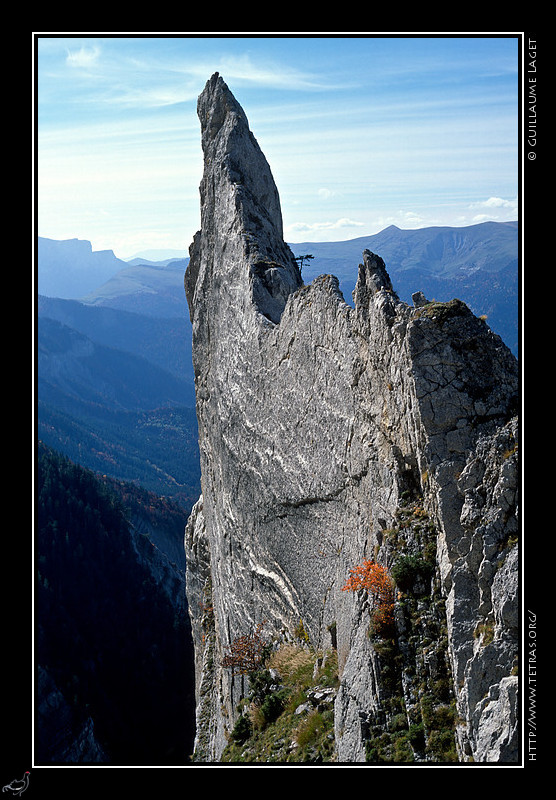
(328, 434)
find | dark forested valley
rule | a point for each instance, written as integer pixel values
(114, 680)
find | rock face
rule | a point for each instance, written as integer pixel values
(329, 434)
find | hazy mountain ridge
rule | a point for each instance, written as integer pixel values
(70, 268)
(80, 367)
(113, 410)
(477, 263)
(155, 447)
(163, 341)
(436, 250)
(154, 290)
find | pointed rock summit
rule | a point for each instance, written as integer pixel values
(328, 435)
(241, 218)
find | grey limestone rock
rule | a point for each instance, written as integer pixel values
(315, 420)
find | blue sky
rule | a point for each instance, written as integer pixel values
(360, 132)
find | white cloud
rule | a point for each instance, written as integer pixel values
(496, 209)
(85, 57)
(495, 202)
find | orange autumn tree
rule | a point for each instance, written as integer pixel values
(375, 579)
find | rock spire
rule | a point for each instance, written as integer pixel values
(329, 434)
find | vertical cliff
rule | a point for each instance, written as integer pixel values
(329, 434)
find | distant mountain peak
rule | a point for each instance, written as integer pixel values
(157, 255)
(70, 268)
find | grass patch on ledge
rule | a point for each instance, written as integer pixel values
(288, 715)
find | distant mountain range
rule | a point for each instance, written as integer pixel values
(155, 290)
(161, 256)
(115, 388)
(115, 378)
(440, 251)
(124, 411)
(477, 264)
(70, 268)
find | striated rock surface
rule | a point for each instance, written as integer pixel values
(329, 434)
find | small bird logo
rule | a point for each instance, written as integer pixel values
(17, 787)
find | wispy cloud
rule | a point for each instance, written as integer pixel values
(345, 222)
(360, 132)
(148, 98)
(159, 80)
(84, 58)
(242, 69)
(325, 194)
